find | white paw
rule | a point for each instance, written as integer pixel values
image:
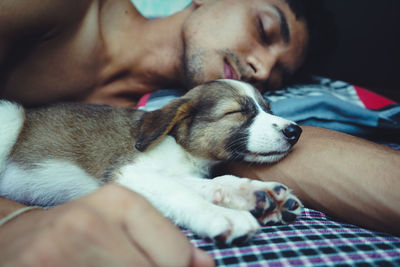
(225, 225)
(269, 202)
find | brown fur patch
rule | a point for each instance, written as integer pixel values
(155, 125)
(96, 138)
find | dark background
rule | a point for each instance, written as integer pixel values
(364, 36)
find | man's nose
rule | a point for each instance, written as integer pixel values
(261, 67)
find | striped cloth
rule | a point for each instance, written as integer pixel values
(313, 240)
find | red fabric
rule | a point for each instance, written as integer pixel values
(372, 100)
(143, 100)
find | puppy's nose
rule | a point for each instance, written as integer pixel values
(292, 133)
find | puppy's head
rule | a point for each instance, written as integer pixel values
(222, 120)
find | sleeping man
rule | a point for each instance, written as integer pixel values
(106, 52)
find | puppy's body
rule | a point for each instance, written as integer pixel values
(59, 153)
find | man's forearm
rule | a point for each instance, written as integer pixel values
(346, 177)
(8, 206)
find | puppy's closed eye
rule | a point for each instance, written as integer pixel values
(235, 112)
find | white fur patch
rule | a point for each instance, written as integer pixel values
(167, 158)
(51, 183)
(174, 192)
(266, 133)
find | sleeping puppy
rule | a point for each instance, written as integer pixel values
(54, 154)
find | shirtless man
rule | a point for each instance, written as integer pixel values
(106, 52)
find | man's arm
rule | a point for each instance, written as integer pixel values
(349, 178)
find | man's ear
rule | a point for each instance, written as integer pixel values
(155, 125)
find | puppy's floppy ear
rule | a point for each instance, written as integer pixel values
(155, 125)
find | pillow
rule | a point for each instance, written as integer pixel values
(159, 8)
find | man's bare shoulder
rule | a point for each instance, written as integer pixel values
(58, 40)
(34, 36)
(32, 20)
(20, 17)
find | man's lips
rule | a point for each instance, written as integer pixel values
(229, 72)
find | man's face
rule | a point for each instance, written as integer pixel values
(258, 41)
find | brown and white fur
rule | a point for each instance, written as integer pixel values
(54, 154)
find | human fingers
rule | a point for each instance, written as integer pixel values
(201, 259)
(162, 242)
(68, 235)
(91, 239)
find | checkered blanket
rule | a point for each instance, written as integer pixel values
(315, 239)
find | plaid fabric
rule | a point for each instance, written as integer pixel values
(314, 239)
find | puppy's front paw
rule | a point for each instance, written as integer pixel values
(269, 202)
(275, 203)
(225, 226)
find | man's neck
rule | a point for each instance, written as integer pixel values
(148, 50)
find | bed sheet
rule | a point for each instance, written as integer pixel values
(313, 240)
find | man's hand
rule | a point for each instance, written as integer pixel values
(111, 227)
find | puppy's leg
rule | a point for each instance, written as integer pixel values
(269, 202)
(187, 208)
